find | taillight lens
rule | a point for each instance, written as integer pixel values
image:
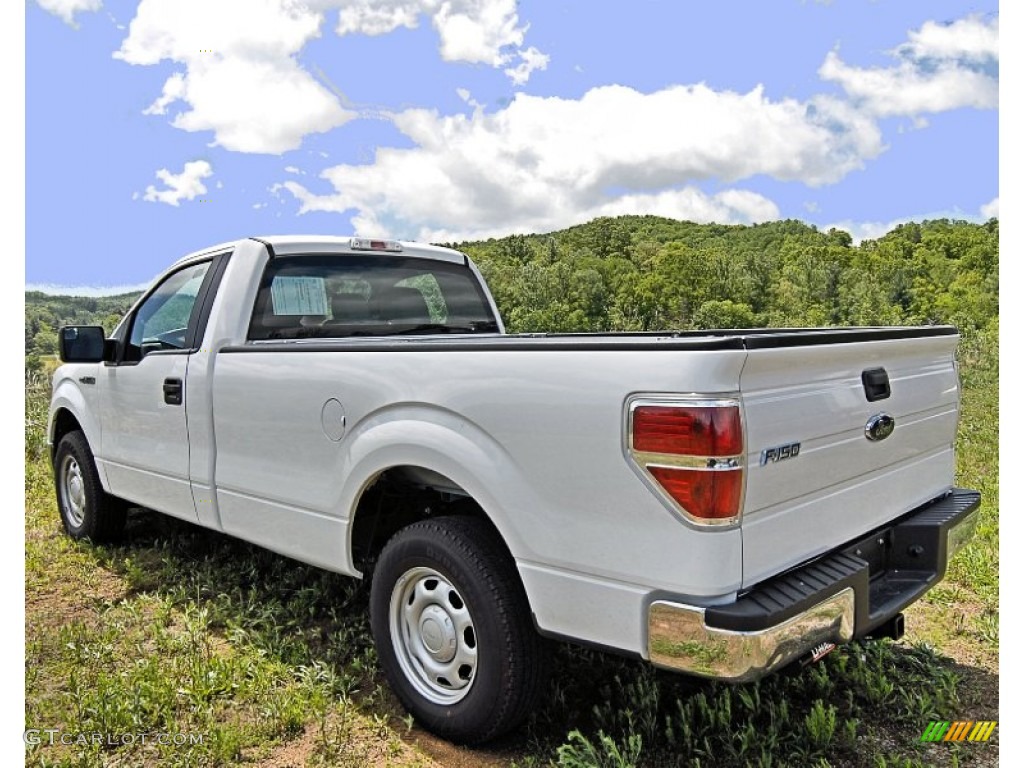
(693, 452)
(695, 431)
(706, 495)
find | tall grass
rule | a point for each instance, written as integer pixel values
(181, 630)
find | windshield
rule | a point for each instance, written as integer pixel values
(341, 295)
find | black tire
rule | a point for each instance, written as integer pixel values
(87, 511)
(456, 569)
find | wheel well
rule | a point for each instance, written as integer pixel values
(399, 497)
(63, 423)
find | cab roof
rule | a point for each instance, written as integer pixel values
(293, 244)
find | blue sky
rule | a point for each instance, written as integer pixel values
(177, 124)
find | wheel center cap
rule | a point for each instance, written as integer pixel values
(438, 633)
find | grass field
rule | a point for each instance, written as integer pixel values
(179, 630)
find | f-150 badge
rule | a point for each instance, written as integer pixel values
(780, 453)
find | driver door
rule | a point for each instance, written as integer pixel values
(144, 440)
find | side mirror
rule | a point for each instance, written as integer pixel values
(81, 344)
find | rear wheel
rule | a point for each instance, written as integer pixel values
(86, 510)
(453, 629)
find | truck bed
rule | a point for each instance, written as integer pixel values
(748, 338)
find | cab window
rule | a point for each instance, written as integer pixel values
(161, 321)
(342, 295)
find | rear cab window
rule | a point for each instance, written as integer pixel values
(343, 295)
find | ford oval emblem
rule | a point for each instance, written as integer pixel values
(879, 427)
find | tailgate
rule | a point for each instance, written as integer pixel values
(838, 484)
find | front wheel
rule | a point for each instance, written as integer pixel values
(86, 510)
(453, 629)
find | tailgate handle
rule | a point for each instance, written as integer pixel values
(876, 384)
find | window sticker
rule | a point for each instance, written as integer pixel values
(299, 295)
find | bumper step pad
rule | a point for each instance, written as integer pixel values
(887, 570)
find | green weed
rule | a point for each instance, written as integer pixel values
(181, 630)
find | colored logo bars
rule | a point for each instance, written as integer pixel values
(959, 730)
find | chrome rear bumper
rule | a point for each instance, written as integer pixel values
(681, 640)
(847, 593)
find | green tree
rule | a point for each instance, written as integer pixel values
(724, 314)
(45, 342)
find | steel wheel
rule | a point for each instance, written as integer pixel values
(86, 511)
(433, 635)
(453, 629)
(72, 490)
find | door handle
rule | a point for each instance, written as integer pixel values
(174, 391)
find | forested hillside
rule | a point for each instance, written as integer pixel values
(650, 273)
(44, 314)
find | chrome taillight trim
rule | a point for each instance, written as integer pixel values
(641, 460)
(710, 463)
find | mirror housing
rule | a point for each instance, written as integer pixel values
(82, 344)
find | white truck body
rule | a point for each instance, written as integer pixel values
(277, 441)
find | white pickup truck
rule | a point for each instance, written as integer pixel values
(718, 503)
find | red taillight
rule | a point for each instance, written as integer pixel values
(708, 495)
(693, 452)
(688, 431)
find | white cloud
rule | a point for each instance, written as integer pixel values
(174, 89)
(531, 60)
(942, 67)
(908, 90)
(293, 169)
(871, 230)
(733, 206)
(544, 163)
(971, 38)
(186, 185)
(472, 31)
(203, 32)
(241, 78)
(539, 163)
(368, 17)
(868, 230)
(66, 9)
(467, 97)
(476, 31)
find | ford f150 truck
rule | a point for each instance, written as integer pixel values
(718, 503)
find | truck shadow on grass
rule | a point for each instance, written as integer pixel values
(863, 705)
